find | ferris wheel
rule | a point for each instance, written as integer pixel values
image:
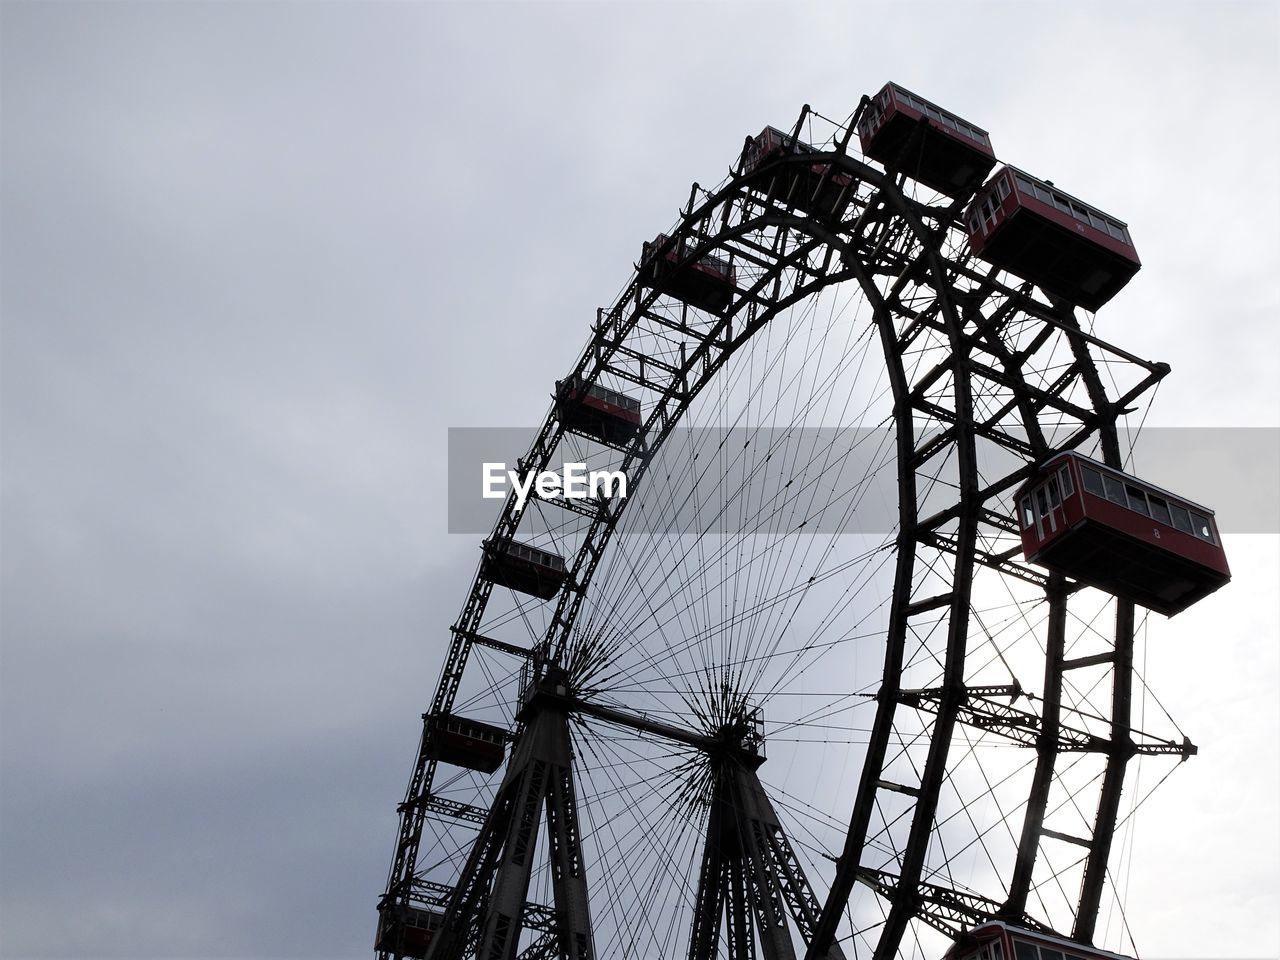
(847, 668)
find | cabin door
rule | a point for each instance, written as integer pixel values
(1050, 515)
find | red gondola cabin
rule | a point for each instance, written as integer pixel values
(1034, 230)
(406, 931)
(597, 411)
(466, 743)
(996, 940)
(813, 188)
(1117, 533)
(927, 143)
(523, 567)
(706, 283)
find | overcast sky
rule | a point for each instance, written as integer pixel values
(257, 258)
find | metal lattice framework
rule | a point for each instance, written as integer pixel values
(977, 367)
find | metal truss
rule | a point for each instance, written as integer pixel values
(981, 710)
(488, 907)
(944, 908)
